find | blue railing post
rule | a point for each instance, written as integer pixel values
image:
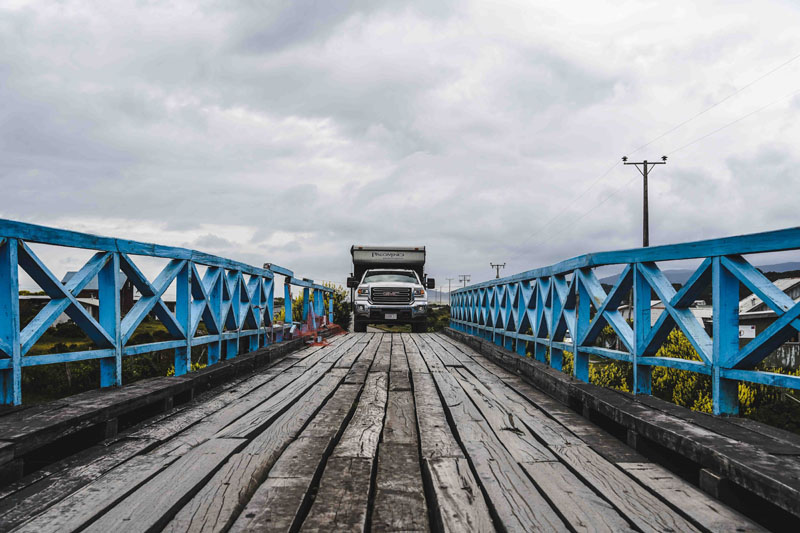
(232, 344)
(183, 354)
(215, 301)
(10, 378)
(110, 316)
(580, 367)
(287, 301)
(269, 321)
(642, 374)
(330, 308)
(556, 353)
(305, 303)
(725, 294)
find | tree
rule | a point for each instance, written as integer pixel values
(341, 307)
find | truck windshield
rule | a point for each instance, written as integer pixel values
(383, 277)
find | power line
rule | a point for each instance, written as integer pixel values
(661, 136)
(712, 106)
(564, 210)
(604, 200)
(729, 124)
(707, 135)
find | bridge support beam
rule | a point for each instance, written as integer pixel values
(556, 358)
(725, 294)
(642, 374)
(109, 297)
(183, 302)
(10, 378)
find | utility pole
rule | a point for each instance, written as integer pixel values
(498, 266)
(643, 170)
(464, 278)
(448, 289)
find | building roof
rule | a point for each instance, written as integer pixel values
(753, 302)
(92, 285)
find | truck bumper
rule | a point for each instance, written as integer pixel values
(377, 314)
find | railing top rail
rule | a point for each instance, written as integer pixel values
(74, 239)
(768, 241)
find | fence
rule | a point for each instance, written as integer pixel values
(565, 308)
(233, 300)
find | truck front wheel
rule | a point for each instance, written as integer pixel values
(359, 326)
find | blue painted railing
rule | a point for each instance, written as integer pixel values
(234, 301)
(565, 308)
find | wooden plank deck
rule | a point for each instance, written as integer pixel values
(378, 432)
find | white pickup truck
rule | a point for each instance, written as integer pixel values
(389, 286)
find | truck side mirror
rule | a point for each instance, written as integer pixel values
(352, 283)
(431, 283)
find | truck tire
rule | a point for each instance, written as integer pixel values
(418, 328)
(359, 326)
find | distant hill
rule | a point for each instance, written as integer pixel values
(681, 276)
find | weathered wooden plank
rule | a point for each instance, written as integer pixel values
(551, 421)
(277, 503)
(415, 361)
(154, 503)
(329, 421)
(515, 435)
(247, 403)
(578, 504)
(517, 405)
(263, 414)
(350, 357)
(724, 427)
(218, 503)
(360, 439)
(51, 484)
(442, 352)
(216, 421)
(343, 496)
(401, 421)
(275, 506)
(399, 381)
(398, 359)
(428, 354)
(639, 506)
(458, 349)
(458, 503)
(38, 496)
(71, 513)
(302, 457)
(399, 495)
(359, 370)
(519, 506)
(517, 502)
(699, 506)
(172, 425)
(436, 439)
(773, 477)
(382, 362)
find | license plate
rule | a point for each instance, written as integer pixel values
(391, 316)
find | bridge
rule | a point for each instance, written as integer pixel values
(296, 425)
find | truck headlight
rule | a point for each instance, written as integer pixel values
(363, 292)
(419, 292)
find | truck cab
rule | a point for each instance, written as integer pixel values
(390, 287)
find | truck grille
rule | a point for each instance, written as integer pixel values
(389, 295)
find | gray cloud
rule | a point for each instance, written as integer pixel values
(287, 131)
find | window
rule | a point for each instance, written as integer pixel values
(390, 276)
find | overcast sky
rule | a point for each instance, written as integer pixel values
(287, 131)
